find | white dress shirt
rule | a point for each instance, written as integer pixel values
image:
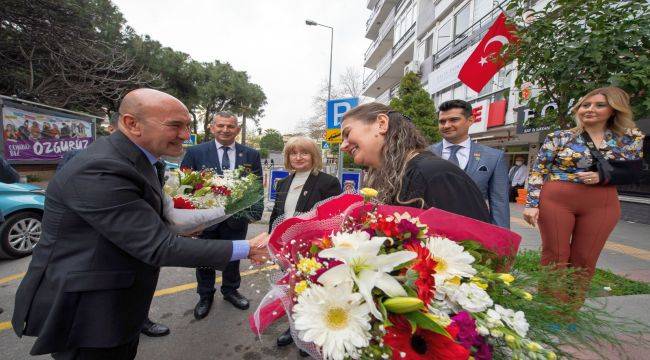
(462, 154)
(232, 156)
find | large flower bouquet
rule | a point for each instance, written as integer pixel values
(198, 199)
(387, 282)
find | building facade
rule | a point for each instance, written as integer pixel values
(434, 38)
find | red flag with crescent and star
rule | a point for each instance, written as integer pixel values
(481, 66)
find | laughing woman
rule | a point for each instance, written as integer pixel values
(401, 168)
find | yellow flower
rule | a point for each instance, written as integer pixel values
(533, 346)
(300, 287)
(527, 296)
(506, 278)
(551, 356)
(510, 339)
(308, 265)
(479, 282)
(369, 193)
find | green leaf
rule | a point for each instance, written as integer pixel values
(426, 323)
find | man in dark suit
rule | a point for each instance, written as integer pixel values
(222, 154)
(485, 165)
(92, 276)
(149, 327)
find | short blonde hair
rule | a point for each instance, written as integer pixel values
(305, 144)
(619, 100)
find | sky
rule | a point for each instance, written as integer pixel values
(266, 38)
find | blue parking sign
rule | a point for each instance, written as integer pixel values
(336, 108)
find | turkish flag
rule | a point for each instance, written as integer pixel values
(480, 66)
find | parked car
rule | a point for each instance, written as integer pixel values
(21, 206)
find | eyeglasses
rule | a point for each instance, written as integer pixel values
(299, 154)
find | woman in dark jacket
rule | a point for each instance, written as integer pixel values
(401, 169)
(300, 191)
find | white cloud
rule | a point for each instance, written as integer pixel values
(268, 39)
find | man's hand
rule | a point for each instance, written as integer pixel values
(258, 252)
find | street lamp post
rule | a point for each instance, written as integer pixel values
(329, 83)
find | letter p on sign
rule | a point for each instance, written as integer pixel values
(336, 108)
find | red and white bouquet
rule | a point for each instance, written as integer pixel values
(372, 281)
(199, 199)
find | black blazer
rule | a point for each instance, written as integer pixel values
(317, 188)
(204, 156)
(93, 274)
(443, 185)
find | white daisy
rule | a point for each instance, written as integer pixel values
(452, 259)
(334, 318)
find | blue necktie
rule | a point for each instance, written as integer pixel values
(452, 154)
(225, 159)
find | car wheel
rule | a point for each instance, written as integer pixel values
(20, 233)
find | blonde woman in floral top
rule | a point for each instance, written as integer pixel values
(576, 213)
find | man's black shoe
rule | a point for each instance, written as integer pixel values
(238, 300)
(202, 308)
(303, 353)
(153, 329)
(285, 339)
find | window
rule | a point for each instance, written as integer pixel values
(403, 24)
(460, 92)
(481, 8)
(444, 35)
(461, 20)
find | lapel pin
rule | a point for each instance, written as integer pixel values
(304, 193)
(241, 154)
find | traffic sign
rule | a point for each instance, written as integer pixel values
(333, 136)
(325, 145)
(335, 110)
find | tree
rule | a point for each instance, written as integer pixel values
(415, 102)
(573, 46)
(66, 53)
(349, 84)
(272, 140)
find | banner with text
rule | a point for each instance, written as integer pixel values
(33, 136)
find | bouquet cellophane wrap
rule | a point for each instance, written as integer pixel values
(293, 236)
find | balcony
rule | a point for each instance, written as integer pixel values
(462, 41)
(377, 18)
(389, 72)
(382, 44)
(406, 38)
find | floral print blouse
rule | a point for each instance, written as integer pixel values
(565, 153)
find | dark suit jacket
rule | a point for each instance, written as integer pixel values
(487, 167)
(317, 188)
(93, 274)
(442, 185)
(67, 157)
(205, 156)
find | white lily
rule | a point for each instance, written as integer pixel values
(361, 264)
